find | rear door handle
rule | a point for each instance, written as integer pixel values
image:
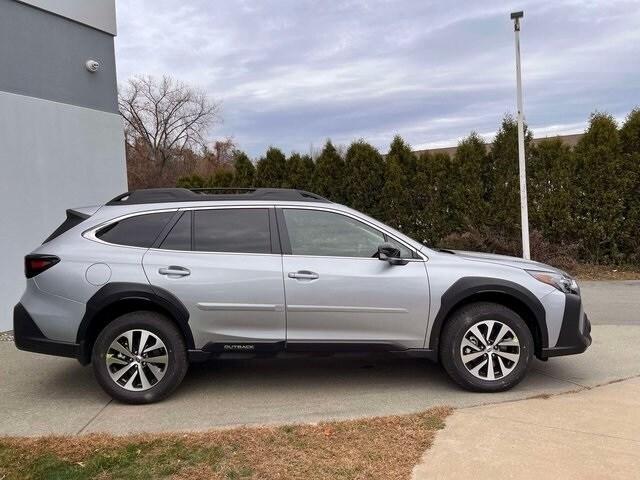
(174, 270)
(304, 275)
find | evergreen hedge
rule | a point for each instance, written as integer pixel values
(584, 202)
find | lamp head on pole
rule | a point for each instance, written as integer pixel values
(516, 16)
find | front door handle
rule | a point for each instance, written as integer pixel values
(174, 271)
(304, 275)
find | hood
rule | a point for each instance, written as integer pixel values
(504, 260)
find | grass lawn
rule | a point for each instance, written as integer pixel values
(603, 272)
(375, 448)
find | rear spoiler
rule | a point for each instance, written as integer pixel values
(75, 217)
(87, 211)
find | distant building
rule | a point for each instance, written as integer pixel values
(61, 137)
(570, 140)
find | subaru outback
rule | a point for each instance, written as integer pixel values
(158, 278)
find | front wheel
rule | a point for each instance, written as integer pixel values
(140, 357)
(486, 347)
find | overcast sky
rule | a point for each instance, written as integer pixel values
(292, 73)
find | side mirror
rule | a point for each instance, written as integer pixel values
(391, 254)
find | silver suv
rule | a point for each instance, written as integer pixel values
(155, 279)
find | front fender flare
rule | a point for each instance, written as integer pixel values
(467, 288)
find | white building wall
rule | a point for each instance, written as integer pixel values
(61, 137)
(54, 156)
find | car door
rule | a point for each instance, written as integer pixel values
(224, 265)
(338, 292)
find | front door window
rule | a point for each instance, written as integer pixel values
(321, 233)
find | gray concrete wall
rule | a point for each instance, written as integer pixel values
(44, 55)
(99, 14)
(61, 138)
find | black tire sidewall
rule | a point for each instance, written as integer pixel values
(465, 319)
(176, 353)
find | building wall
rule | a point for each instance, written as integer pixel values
(61, 138)
(571, 140)
(44, 55)
(99, 14)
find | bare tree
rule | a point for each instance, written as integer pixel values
(166, 116)
(221, 153)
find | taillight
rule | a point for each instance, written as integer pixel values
(36, 264)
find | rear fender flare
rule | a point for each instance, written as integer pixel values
(144, 296)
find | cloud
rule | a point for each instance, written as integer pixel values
(292, 73)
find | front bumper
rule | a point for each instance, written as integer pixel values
(27, 336)
(575, 333)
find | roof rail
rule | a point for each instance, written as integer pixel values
(223, 189)
(165, 195)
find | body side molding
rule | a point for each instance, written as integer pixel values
(240, 307)
(343, 309)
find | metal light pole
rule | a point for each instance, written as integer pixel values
(524, 212)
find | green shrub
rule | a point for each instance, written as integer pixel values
(397, 205)
(299, 172)
(584, 203)
(602, 187)
(271, 169)
(243, 170)
(364, 177)
(468, 188)
(328, 175)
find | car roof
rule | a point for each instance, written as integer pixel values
(170, 195)
(163, 199)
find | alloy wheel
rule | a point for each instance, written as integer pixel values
(137, 360)
(490, 350)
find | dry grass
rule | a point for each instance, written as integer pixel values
(561, 256)
(376, 448)
(604, 272)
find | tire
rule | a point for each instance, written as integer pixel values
(161, 368)
(510, 358)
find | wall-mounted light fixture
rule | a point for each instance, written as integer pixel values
(92, 65)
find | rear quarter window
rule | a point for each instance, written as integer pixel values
(139, 231)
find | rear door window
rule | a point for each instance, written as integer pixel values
(234, 230)
(179, 238)
(138, 231)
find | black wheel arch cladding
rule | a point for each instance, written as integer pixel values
(143, 296)
(470, 289)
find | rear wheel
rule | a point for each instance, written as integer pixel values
(486, 347)
(140, 357)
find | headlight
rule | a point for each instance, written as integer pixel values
(562, 282)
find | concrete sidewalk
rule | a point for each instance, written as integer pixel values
(591, 434)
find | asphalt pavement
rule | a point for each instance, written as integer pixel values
(48, 395)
